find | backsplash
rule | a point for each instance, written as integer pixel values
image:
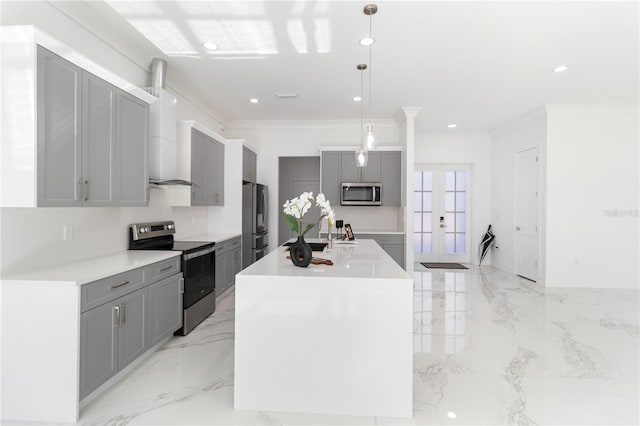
(363, 218)
(32, 237)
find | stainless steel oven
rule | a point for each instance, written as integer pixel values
(361, 194)
(197, 263)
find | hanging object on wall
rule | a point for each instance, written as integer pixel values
(362, 154)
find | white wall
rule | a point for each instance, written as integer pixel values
(525, 132)
(592, 196)
(456, 147)
(273, 139)
(32, 238)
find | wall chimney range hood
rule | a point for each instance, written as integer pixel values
(162, 130)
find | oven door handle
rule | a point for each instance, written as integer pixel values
(199, 253)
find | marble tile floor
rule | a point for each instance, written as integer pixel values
(489, 348)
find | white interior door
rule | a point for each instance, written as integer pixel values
(527, 214)
(441, 213)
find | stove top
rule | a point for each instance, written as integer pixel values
(159, 236)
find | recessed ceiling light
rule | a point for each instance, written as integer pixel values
(357, 99)
(210, 45)
(451, 415)
(254, 100)
(367, 41)
(561, 68)
(452, 126)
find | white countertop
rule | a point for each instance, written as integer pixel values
(364, 231)
(364, 259)
(92, 269)
(214, 238)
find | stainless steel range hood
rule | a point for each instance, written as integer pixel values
(162, 130)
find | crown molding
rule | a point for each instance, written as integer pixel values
(307, 124)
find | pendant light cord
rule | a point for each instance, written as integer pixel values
(361, 107)
(370, 63)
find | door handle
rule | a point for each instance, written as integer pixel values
(123, 316)
(86, 190)
(116, 316)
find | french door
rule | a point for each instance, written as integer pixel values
(441, 219)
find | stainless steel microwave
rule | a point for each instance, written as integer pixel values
(361, 194)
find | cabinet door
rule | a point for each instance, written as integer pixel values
(59, 85)
(98, 347)
(132, 333)
(330, 176)
(229, 273)
(391, 178)
(249, 165)
(165, 308)
(349, 172)
(396, 252)
(215, 173)
(220, 273)
(373, 171)
(132, 140)
(198, 168)
(237, 264)
(98, 141)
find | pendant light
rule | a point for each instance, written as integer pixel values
(362, 154)
(370, 10)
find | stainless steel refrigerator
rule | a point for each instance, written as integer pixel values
(254, 222)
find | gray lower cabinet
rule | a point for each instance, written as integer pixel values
(393, 244)
(127, 322)
(111, 336)
(249, 165)
(228, 263)
(92, 138)
(382, 166)
(163, 317)
(207, 170)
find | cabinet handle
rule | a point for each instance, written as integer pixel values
(116, 315)
(166, 268)
(86, 190)
(119, 285)
(123, 317)
(181, 285)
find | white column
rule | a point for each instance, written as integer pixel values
(407, 138)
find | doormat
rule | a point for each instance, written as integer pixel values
(443, 265)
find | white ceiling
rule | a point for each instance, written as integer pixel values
(478, 64)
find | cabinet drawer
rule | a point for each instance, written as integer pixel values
(227, 245)
(161, 270)
(107, 289)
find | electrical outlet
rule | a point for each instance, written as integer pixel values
(67, 233)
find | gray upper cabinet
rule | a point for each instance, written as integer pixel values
(92, 138)
(198, 168)
(373, 171)
(382, 166)
(132, 141)
(216, 173)
(59, 131)
(391, 178)
(207, 170)
(352, 173)
(330, 176)
(249, 165)
(98, 136)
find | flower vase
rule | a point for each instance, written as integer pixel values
(301, 253)
(329, 238)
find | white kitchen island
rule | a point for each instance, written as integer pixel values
(325, 339)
